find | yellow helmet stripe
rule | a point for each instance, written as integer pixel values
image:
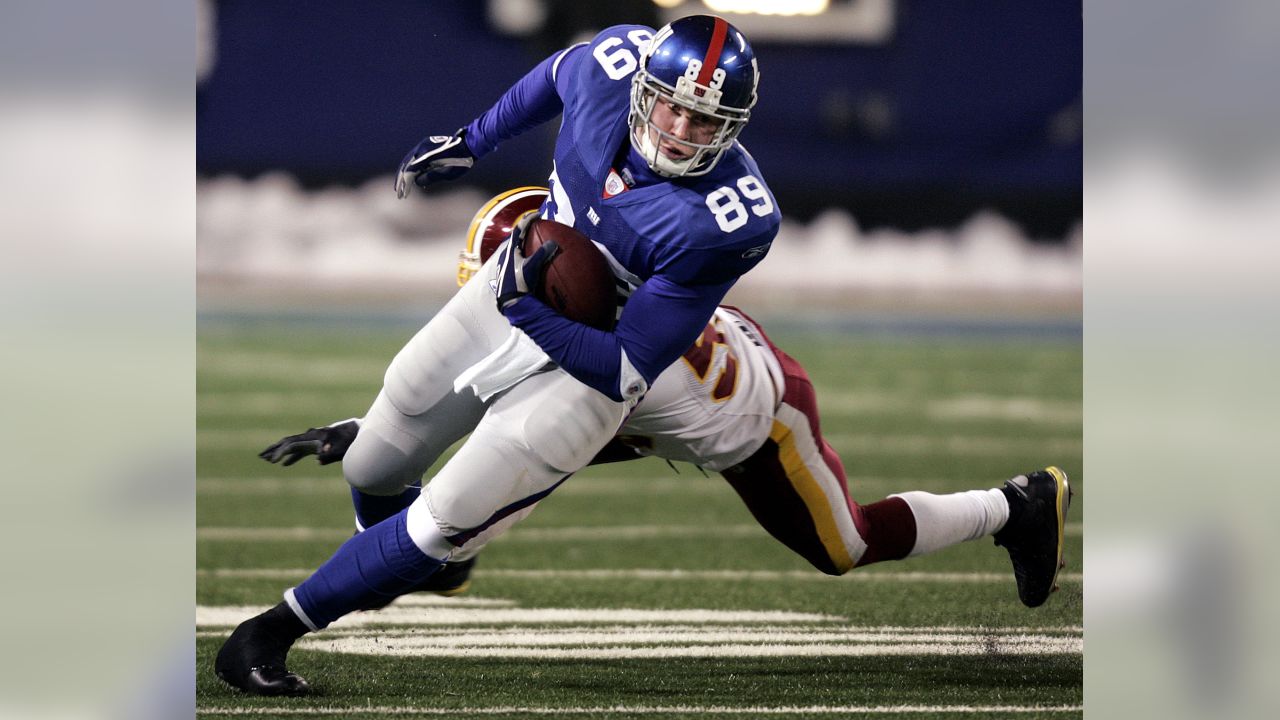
(469, 258)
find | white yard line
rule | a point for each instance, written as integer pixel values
(253, 439)
(305, 371)
(881, 632)
(962, 445)
(533, 534)
(520, 534)
(257, 534)
(657, 574)
(1029, 409)
(1020, 408)
(418, 599)
(689, 482)
(235, 404)
(800, 710)
(446, 628)
(663, 574)
(407, 646)
(428, 599)
(257, 485)
(629, 532)
(396, 614)
(695, 636)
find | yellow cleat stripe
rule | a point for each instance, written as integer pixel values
(465, 586)
(1060, 479)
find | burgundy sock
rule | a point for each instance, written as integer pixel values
(889, 529)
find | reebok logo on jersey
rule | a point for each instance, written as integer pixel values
(756, 251)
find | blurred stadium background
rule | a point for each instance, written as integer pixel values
(1183, 182)
(927, 159)
(926, 156)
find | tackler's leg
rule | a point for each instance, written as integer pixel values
(795, 487)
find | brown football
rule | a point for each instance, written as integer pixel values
(577, 283)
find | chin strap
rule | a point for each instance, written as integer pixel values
(658, 162)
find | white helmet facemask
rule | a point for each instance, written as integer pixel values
(647, 92)
(682, 88)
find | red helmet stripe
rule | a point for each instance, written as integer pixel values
(712, 60)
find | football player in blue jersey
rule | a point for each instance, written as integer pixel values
(648, 166)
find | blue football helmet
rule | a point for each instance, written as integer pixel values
(702, 63)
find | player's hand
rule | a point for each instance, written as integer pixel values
(328, 444)
(438, 157)
(517, 275)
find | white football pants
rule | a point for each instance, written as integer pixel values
(523, 442)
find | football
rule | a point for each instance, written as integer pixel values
(577, 283)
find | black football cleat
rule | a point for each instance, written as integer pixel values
(1038, 504)
(253, 658)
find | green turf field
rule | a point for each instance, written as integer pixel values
(639, 590)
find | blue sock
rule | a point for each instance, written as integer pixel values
(369, 570)
(373, 509)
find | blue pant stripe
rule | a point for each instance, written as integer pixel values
(465, 536)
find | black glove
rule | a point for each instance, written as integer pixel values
(328, 444)
(517, 275)
(438, 157)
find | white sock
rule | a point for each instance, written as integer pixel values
(946, 520)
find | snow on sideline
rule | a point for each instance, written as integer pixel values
(801, 710)
(270, 231)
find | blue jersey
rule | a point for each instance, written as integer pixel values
(680, 243)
